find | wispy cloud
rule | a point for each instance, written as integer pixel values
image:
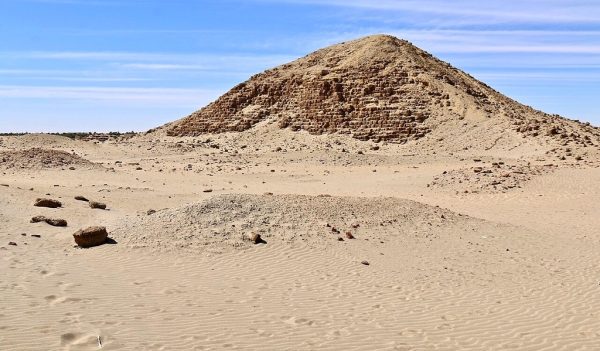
(142, 56)
(67, 75)
(538, 77)
(146, 95)
(456, 41)
(542, 11)
(74, 2)
(166, 66)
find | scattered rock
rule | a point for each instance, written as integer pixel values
(47, 203)
(92, 236)
(254, 237)
(97, 205)
(53, 222)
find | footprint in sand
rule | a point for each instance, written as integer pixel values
(79, 341)
(53, 299)
(298, 321)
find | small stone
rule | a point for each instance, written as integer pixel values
(207, 190)
(151, 212)
(56, 222)
(52, 222)
(38, 219)
(349, 235)
(12, 243)
(36, 235)
(254, 237)
(92, 236)
(340, 239)
(47, 203)
(97, 205)
(366, 263)
(81, 198)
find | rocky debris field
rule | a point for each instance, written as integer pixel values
(490, 178)
(37, 158)
(225, 222)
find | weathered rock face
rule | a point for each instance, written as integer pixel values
(374, 88)
(92, 236)
(349, 88)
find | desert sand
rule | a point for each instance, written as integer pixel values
(467, 223)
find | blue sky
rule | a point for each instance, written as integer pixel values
(102, 65)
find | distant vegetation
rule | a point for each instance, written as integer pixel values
(76, 135)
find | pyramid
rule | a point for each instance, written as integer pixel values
(377, 88)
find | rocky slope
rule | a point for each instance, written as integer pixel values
(37, 158)
(381, 88)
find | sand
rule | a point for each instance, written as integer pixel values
(487, 269)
